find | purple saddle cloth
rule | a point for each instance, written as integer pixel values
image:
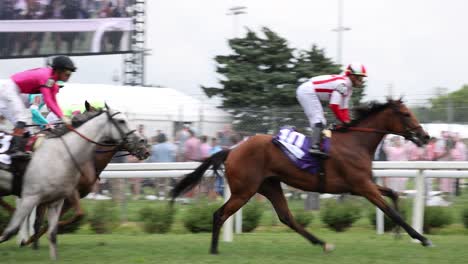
(296, 147)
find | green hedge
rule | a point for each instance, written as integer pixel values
(464, 215)
(251, 214)
(157, 218)
(103, 218)
(4, 218)
(436, 217)
(199, 216)
(303, 217)
(340, 215)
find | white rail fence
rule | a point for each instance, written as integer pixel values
(420, 170)
(408, 169)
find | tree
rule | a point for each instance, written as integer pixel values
(256, 76)
(449, 107)
(259, 80)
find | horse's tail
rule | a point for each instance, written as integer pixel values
(192, 179)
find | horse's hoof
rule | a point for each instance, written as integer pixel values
(328, 247)
(22, 243)
(427, 243)
(214, 252)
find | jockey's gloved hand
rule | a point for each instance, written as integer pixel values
(66, 120)
(346, 124)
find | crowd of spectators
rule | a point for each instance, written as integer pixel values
(448, 147)
(185, 146)
(30, 43)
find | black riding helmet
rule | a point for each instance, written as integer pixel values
(63, 62)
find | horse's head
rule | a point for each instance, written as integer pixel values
(404, 123)
(127, 138)
(392, 117)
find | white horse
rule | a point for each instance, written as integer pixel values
(54, 170)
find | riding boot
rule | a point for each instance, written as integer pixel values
(315, 138)
(18, 143)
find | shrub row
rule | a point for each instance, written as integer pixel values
(158, 218)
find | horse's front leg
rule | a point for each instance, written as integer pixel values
(370, 191)
(388, 192)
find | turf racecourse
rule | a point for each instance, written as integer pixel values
(285, 247)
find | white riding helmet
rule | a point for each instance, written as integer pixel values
(356, 69)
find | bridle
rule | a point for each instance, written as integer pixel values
(124, 136)
(408, 133)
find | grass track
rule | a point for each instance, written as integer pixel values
(355, 247)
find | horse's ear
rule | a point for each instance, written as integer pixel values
(87, 106)
(106, 106)
(400, 100)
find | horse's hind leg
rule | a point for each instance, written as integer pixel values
(53, 215)
(40, 212)
(388, 192)
(271, 189)
(73, 201)
(24, 209)
(235, 202)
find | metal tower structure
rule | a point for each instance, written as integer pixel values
(134, 63)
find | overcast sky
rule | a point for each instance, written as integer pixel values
(413, 45)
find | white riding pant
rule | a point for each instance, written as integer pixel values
(12, 106)
(310, 102)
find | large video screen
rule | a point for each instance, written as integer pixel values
(39, 28)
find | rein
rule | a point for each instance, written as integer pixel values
(408, 132)
(124, 135)
(373, 130)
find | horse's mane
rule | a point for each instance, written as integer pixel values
(364, 111)
(77, 121)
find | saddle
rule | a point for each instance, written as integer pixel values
(296, 146)
(17, 166)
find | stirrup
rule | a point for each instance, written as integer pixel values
(20, 155)
(318, 152)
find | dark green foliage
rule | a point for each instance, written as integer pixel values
(103, 218)
(4, 218)
(340, 216)
(464, 215)
(251, 214)
(199, 216)
(157, 218)
(260, 77)
(303, 217)
(436, 217)
(445, 107)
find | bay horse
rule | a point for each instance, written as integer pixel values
(258, 166)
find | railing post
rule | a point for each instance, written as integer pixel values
(228, 225)
(418, 206)
(379, 218)
(238, 219)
